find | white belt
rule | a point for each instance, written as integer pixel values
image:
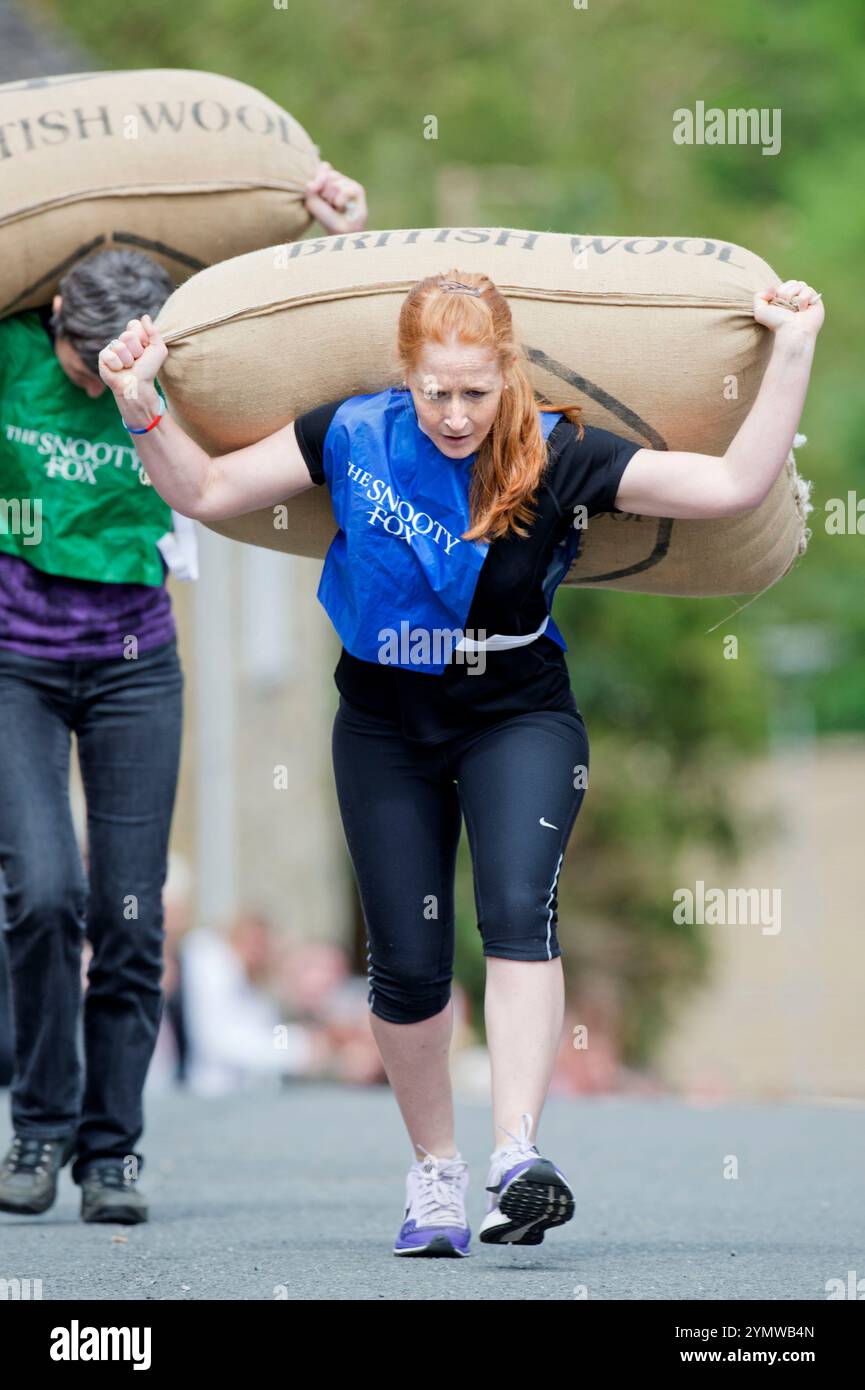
(497, 642)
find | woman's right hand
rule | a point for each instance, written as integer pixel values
(133, 360)
(804, 320)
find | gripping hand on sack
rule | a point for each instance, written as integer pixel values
(805, 321)
(129, 363)
(338, 203)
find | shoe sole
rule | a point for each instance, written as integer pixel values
(27, 1208)
(533, 1203)
(439, 1248)
(126, 1216)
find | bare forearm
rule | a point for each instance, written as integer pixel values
(177, 467)
(759, 450)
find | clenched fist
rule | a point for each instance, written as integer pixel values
(805, 320)
(131, 361)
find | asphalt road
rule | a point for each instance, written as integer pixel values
(299, 1193)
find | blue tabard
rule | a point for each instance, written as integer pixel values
(397, 578)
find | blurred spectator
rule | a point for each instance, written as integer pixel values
(233, 1030)
(587, 1061)
(314, 984)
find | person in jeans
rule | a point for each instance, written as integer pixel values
(88, 645)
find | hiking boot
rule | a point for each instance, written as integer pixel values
(108, 1195)
(28, 1175)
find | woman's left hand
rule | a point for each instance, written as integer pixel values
(337, 202)
(806, 321)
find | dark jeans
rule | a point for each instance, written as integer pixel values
(127, 717)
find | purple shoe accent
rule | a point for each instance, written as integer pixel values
(514, 1172)
(412, 1237)
(519, 1168)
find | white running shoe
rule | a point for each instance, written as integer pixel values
(527, 1193)
(435, 1212)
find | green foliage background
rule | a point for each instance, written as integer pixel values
(586, 96)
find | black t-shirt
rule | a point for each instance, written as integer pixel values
(508, 599)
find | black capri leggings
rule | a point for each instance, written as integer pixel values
(519, 783)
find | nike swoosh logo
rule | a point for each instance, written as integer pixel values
(519, 1231)
(546, 822)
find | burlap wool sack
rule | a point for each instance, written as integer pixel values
(190, 167)
(654, 336)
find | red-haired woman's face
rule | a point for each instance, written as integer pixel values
(456, 388)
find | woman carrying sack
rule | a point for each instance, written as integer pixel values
(457, 499)
(88, 643)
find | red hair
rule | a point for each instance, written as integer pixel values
(511, 460)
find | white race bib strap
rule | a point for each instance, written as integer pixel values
(498, 642)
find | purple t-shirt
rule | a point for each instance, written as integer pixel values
(78, 619)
